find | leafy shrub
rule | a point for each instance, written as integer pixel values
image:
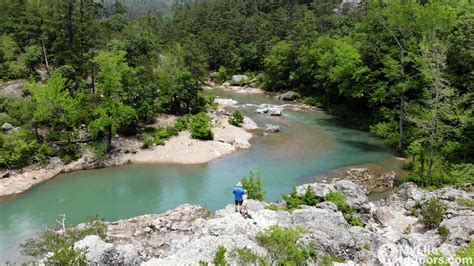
(67, 256)
(443, 231)
(466, 254)
(340, 201)
(61, 243)
(282, 245)
(182, 123)
(309, 197)
(17, 152)
(200, 127)
(254, 186)
(346, 209)
(99, 148)
(293, 200)
(219, 257)
(236, 119)
(222, 74)
(246, 256)
(432, 212)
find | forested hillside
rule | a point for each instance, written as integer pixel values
(401, 69)
(137, 8)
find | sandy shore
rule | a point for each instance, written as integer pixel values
(180, 150)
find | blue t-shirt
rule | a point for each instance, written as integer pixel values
(238, 193)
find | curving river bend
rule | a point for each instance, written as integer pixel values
(310, 144)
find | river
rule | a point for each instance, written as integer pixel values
(310, 145)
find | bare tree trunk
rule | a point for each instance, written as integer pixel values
(46, 59)
(109, 139)
(400, 139)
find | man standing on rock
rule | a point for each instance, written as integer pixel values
(238, 197)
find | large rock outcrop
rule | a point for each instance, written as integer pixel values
(190, 233)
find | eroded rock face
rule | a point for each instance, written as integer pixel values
(189, 233)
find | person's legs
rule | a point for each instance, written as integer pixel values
(236, 206)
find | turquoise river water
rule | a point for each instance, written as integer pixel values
(310, 145)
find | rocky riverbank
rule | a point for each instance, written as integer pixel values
(392, 232)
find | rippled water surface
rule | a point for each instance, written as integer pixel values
(310, 144)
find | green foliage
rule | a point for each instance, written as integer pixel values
(293, 200)
(236, 119)
(219, 257)
(432, 212)
(282, 245)
(253, 185)
(272, 207)
(466, 254)
(346, 209)
(367, 246)
(201, 128)
(465, 202)
(67, 256)
(444, 232)
(62, 243)
(111, 113)
(309, 197)
(246, 256)
(329, 259)
(222, 74)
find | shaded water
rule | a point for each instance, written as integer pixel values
(310, 144)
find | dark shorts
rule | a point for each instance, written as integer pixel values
(239, 202)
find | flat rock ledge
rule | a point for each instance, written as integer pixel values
(190, 233)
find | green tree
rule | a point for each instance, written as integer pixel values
(254, 186)
(54, 108)
(111, 113)
(200, 127)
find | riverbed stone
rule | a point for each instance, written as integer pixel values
(261, 110)
(241, 144)
(249, 124)
(275, 112)
(272, 128)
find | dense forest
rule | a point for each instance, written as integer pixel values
(402, 69)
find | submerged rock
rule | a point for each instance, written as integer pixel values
(272, 128)
(262, 110)
(275, 112)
